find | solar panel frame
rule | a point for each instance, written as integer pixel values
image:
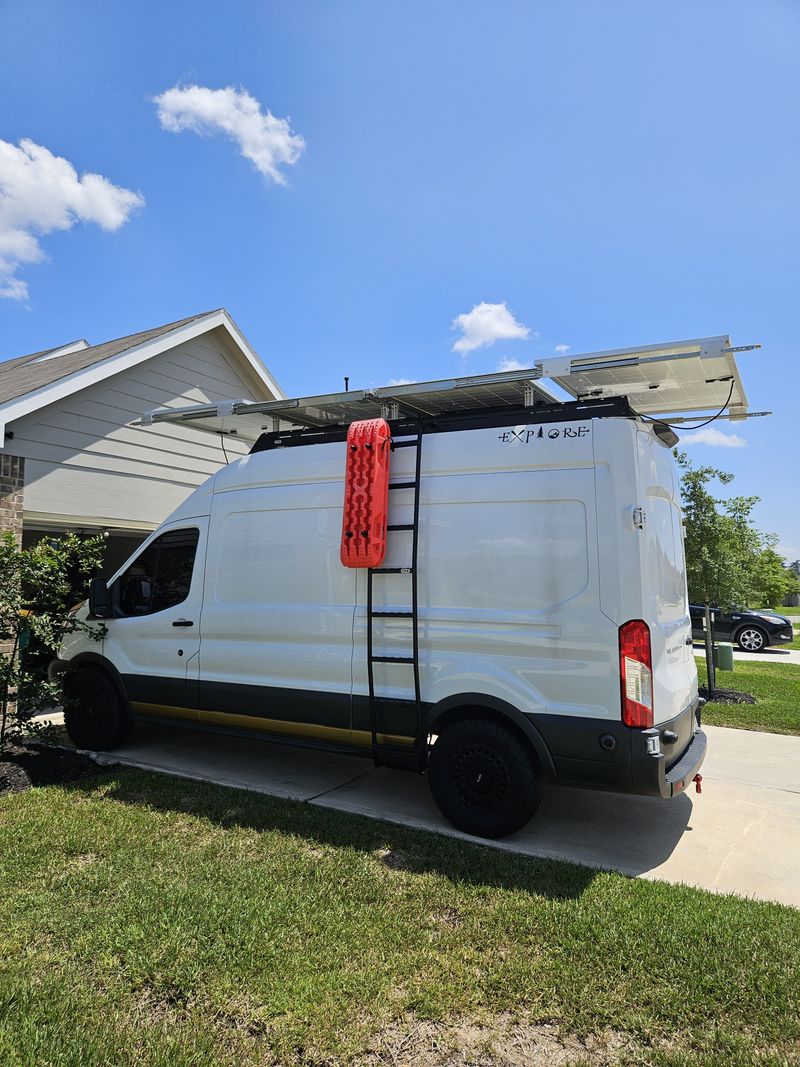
(659, 380)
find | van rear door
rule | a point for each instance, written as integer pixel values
(664, 596)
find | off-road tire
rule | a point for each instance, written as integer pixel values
(94, 715)
(747, 639)
(484, 778)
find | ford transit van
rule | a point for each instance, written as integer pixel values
(528, 624)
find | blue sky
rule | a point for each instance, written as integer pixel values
(615, 174)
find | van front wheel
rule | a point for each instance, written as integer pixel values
(484, 778)
(93, 712)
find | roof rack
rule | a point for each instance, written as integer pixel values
(475, 419)
(698, 376)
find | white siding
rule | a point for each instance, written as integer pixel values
(83, 458)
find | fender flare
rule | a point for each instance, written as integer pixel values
(93, 659)
(503, 710)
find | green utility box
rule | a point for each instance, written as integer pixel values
(723, 656)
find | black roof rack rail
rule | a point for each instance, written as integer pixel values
(571, 411)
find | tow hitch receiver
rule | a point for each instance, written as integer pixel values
(698, 782)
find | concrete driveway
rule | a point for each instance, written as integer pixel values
(740, 836)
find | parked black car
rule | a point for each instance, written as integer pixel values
(750, 630)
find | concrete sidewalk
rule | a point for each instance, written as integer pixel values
(769, 655)
(740, 836)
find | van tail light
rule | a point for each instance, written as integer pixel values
(636, 673)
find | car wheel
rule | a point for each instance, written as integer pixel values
(93, 712)
(484, 778)
(751, 639)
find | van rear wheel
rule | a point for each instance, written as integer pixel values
(484, 778)
(93, 712)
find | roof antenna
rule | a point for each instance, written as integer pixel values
(346, 384)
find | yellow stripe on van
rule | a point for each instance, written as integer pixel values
(334, 734)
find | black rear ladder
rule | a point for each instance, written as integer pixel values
(383, 753)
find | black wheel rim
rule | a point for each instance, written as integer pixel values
(90, 708)
(480, 778)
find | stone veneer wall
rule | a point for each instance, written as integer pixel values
(12, 484)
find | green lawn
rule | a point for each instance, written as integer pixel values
(151, 921)
(776, 687)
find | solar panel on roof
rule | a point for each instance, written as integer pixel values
(663, 379)
(658, 380)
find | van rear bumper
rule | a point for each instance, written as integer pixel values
(677, 778)
(661, 769)
(606, 754)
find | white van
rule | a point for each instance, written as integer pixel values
(528, 624)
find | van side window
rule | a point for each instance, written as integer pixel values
(160, 577)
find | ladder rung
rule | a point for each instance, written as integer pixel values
(393, 614)
(405, 444)
(400, 526)
(402, 485)
(392, 659)
(391, 570)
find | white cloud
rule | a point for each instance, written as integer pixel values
(509, 363)
(562, 349)
(39, 193)
(713, 437)
(262, 138)
(484, 325)
(400, 381)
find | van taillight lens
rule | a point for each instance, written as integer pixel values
(636, 673)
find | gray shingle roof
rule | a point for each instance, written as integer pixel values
(24, 375)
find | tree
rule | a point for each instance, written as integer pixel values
(39, 587)
(728, 561)
(776, 580)
(722, 546)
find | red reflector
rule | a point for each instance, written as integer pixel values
(636, 673)
(366, 493)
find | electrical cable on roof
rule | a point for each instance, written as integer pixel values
(222, 442)
(682, 426)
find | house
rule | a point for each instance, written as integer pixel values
(73, 457)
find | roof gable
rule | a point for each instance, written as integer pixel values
(26, 384)
(27, 373)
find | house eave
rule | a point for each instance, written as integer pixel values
(48, 520)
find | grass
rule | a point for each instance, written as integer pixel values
(776, 687)
(152, 921)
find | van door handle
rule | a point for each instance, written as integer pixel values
(183, 622)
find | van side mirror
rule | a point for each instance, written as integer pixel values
(99, 605)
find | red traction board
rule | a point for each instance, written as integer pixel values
(366, 493)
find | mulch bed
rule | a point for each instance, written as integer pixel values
(31, 764)
(727, 696)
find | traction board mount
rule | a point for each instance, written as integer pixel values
(366, 493)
